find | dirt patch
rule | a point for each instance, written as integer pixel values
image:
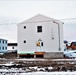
(10, 55)
(24, 64)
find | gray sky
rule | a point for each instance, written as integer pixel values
(15, 11)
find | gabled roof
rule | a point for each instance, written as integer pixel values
(3, 39)
(39, 18)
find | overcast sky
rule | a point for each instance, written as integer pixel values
(15, 11)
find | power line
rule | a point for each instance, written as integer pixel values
(68, 19)
(37, 21)
(9, 23)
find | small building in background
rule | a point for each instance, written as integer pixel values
(3, 45)
(12, 46)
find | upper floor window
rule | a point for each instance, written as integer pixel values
(3, 41)
(24, 41)
(3, 48)
(0, 41)
(24, 27)
(39, 28)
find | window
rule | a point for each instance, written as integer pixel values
(12, 47)
(0, 48)
(0, 41)
(6, 42)
(24, 27)
(41, 43)
(6, 48)
(39, 28)
(3, 48)
(3, 41)
(24, 41)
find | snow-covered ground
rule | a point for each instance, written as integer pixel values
(20, 67)
(41, 73)
(13, 69)
(50, 73)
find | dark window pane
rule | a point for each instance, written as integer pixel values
(24, 27)
(39, 28)
(3, 41)
(41, 43)
(12, 47)
(6, 48)
(24, 41)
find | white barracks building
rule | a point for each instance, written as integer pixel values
(40, 37)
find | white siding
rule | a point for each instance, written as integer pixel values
(31, 36)
(11, 48)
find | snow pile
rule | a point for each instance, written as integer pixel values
(9, 64)
(37, 68)
(33, 67)
(12, 70)
(9, 69)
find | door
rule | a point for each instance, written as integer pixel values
(39, 46)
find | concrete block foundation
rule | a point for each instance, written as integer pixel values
(53, 55)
